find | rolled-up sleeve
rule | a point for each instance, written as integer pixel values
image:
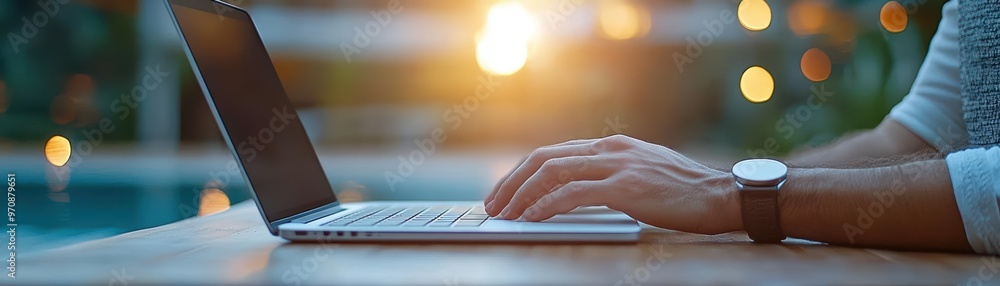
(933, 108)
(974, 178)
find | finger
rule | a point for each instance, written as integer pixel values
(569, 197)
(552, 173)
(492, 195)
(529, 167)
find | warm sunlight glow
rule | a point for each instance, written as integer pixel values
(57, 150)
(510, 20)
(622, 20)
(754, 15)
(213, 201)
(501, 56)
(815, 65)
(502, 48)
(756, 84)
(893, 17)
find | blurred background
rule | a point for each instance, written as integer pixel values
(98, 149)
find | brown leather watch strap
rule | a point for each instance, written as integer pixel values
(760, 215)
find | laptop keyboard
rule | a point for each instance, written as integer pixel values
(435, 216)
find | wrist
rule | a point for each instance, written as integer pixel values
(730, 217)
(758, 183)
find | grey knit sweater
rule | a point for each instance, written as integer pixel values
(979, 31)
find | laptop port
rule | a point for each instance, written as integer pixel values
(326, 233)
(300, 233)
(340, 233)
(354, 233)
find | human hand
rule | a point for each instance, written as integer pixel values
(649, 182)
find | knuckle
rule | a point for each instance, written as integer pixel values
(627, 178)
(555, 164)
(544, 150)
(593, 147)
(571, 189)
(613, 142)
(534, 156)
(619, 138)
(524, 201)
(548, 166)
(545, 200)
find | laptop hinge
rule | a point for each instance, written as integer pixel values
(317, 214)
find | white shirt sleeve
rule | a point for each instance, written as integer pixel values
(974, 176)
(933, 108)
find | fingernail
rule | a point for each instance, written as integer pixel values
(529, 214)
(504, 213)
(489, 206)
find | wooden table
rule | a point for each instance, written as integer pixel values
(235, 247)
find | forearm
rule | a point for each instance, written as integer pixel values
(887, 140)
(909, 206)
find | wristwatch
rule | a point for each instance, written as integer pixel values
(759, 181)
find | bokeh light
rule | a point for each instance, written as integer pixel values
(57, 150)
(74, 103)
(807, 17)
(754, 15)
(756, 84)
(843, 35)
(893, 17)
(502, 48)
(212, 201)
(351, 192)
(80, 87)
(815, 65)
(622, 20)
(350, 196)
(64, 109)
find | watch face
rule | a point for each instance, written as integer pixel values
(760, 172)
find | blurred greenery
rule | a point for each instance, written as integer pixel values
(79, 39)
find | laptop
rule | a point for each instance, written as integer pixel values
(284, 174)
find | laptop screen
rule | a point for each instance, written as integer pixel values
(255, 113)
